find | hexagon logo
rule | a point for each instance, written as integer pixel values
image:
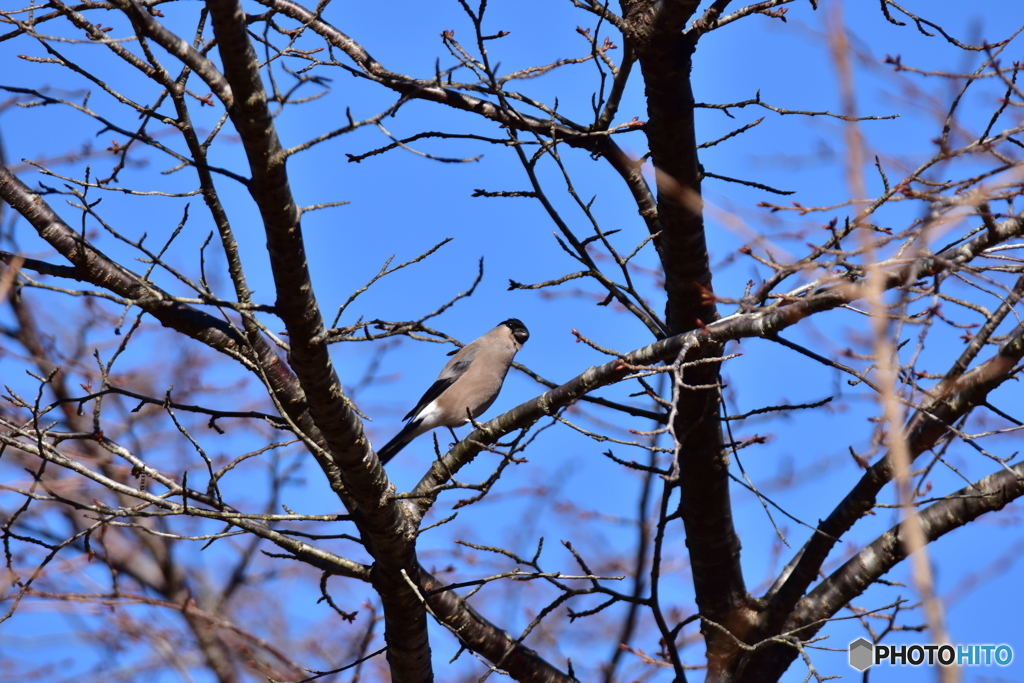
(862, 654)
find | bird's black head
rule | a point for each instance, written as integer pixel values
(519, 330)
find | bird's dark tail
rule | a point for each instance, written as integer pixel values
(401, 440)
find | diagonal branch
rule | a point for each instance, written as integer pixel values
(146, 25)
(992, 493)
(92, 265)
(384, 522)
(763, 323)
(481, 636)
(948, 403)
(597, 142)
(148, 558)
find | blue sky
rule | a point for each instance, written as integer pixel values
(402, 204)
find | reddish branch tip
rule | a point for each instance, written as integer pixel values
(861, 462)
(895, 61)
(577, 334)
(707, 296)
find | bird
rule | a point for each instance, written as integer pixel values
(466, 387)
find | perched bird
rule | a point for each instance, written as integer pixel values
(467, 386)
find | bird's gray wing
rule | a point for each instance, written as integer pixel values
(455, 369)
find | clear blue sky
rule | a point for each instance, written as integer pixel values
(402, 204)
